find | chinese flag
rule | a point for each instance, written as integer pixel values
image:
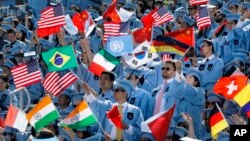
(2, 124)
(230, 86)
(111, 14)
(115, 116)
(186, 36)
(79, 20)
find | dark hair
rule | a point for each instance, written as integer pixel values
(110, 74)
(15, 22)
(198, 82)
(5, 78)
(1, 55)
(23, 36)
(11, 31)
(45, 134)
(31, 26)
(172, 63)
(209, 43)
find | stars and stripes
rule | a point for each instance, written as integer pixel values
(56, 82)
(52, 16)
(198, 2)
(203, 19)
(166, 57)
(26, 74)
(115, 29)
(161, 16)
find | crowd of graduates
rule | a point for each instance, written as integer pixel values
(221, 50)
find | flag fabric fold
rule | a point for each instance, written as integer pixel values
(243, 97)
(115, 29)
(161, 16)
(16, 118)
(52, 19)
(158, 125)
(80, 117)
(43, 113)
(111, 14)
(203, 20)
(115, 116)
(26, 74)
(198, 2)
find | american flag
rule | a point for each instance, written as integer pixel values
(198, 2)
(52, 16)
(166, 57)
(203, 19)
(161, 16)
(56, 82)
(26, 74)
(115, 29)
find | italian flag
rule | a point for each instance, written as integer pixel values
(16, 118)
(43, 113)
(80, 117)
(103, 61)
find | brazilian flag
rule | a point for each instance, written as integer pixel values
(60, 58)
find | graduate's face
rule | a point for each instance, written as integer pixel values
(230, 25)
(120, 95)
(190, 80)
(2, 84)
(168, 71)
(133, 79)
(205, 48)
(105, 83)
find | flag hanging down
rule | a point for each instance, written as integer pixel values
(203, 19)
(161, 16)
(140, 56)
(230, 86)
(115, 29)
(60, 58)
(80, 117)
(115, 116)
(56, 82)
(158, 125)
(16, 118)
(217, 121)
(52, 19)
(198, 2)
(169, 44)
(119, 45)
(43, 113)
(103, 61)
(26, 74)
(184, 35)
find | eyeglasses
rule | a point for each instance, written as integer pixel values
(165, 68)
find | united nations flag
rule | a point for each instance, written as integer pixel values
(60, 58)
(118, 45)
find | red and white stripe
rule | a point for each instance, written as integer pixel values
(198, 2)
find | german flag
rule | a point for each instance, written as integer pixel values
(169, 44)
(217, 121)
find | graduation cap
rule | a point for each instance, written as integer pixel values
(8, 20)
(45, 44)
(124, 84)
(180, 131)
(94, 14)
(157, 31)
(231, 17)
(6, 26)
(122, 2)
(212, 97)
(96, 137)
(188, 20)
(215, 2)
(8, 64)
(130, 5)
(223, 136)
(70, 12)
(195, 73)
(21, 27)
(232, 3)
(180, 12)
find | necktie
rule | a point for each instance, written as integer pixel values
(119, 131)
(159, 99)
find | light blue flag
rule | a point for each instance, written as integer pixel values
(118, 45)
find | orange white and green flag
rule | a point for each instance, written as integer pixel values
(43, 113)
(80, 117)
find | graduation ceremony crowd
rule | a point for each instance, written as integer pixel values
(220, 50)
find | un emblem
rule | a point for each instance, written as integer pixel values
(37, 116)
(74, 119)
(116, 46)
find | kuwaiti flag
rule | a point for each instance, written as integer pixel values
(141, 55)
(103, 61)
(43, 113)
(80, 117)
(158, 125)
(16, 118)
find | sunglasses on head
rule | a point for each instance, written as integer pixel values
(165, 68)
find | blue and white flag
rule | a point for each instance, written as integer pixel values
(119, 45)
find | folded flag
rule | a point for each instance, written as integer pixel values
(80, 117)
(184, 35)
(230, 86)
(140, 56)
(169, 44)
(119, 45)
(243, 97)
(52, 19)
(158, 125)
(56, 82)
(16, 118)
(217, 121)
(60, 58)
(115, 116)
(43, 113)
(26, 74)
(103, 61)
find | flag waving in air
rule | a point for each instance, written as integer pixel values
(115, 116)
(161, 16)
(203, 19)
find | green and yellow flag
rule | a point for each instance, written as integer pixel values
(60, 58)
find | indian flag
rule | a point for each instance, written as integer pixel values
(43, 113)
(80, 117)
(103, 61)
